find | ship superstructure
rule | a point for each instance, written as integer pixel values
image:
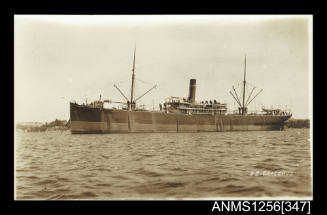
(191, 106)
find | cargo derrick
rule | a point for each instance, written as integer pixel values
(243, 107)
(131, 103)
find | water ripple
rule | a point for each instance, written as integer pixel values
(59, 166)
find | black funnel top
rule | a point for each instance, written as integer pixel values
(192, 90)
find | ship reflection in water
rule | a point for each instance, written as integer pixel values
(58, 165)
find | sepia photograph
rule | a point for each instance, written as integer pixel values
(163, 107)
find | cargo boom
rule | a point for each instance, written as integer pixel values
(176, 115)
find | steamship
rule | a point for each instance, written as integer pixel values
(176, 114)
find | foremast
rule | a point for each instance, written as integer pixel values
(131, 103)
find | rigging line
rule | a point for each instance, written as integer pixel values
(120, 92)
(119, 82)
(153, 62)
(235, 98)
(236, 95)
(144, 82)
(246, 103)
(248, 83)
(256, 95)
(155, 86)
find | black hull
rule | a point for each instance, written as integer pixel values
(87, 120)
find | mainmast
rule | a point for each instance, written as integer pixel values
(244, 83)
(132, 105)
(243, 105)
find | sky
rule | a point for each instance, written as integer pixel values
(63, 58)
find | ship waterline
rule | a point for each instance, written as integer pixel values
(97, 120)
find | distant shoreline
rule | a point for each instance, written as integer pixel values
(41, 127)
(297, 123)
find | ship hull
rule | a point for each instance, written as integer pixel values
(87, 120)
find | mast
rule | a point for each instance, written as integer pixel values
(244, 82)
(132, 105)
(244, 104)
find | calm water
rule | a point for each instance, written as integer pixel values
(58, 165)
